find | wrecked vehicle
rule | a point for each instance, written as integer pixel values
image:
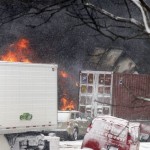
(111, 133)
(71, 125)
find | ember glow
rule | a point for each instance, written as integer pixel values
(18, 52)
(67, 104)
(63, 74)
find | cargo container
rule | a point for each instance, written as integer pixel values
(122, 95)
(28, 104)
(131, 96)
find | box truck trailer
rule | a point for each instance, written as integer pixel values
(28, 105)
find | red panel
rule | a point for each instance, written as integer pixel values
(126, 90)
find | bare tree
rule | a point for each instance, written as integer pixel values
(125, 19)
(131, 20)
(11, 10)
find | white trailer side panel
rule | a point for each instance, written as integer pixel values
(28, 90)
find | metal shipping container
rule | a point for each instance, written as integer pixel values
(121, 95)
(131, 96)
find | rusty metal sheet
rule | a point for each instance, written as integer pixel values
(130, 96)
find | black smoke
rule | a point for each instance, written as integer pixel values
(60, 41)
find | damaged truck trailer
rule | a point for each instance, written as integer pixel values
(121, 95)
(28, 105)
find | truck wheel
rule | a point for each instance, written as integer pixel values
(41, 144)
(75, 134)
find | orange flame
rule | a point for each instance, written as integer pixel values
(18, 52)
(67, 105)
(64, 74)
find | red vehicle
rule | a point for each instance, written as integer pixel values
(111, 133)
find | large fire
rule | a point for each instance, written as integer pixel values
(67, 83)
(18, 52)
(67, 104)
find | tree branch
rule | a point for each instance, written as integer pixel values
(116, 18)
(144, 16)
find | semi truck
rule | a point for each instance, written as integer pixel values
(28, 105)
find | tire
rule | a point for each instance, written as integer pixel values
(75, 134)
(41, 144)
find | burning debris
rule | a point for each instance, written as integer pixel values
(67, 104)
(20, 51)
(64, 74)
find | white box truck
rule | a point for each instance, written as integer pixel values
(28, 104)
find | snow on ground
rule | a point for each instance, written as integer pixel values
(76, 145)
(70, 145)
(145, 146)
